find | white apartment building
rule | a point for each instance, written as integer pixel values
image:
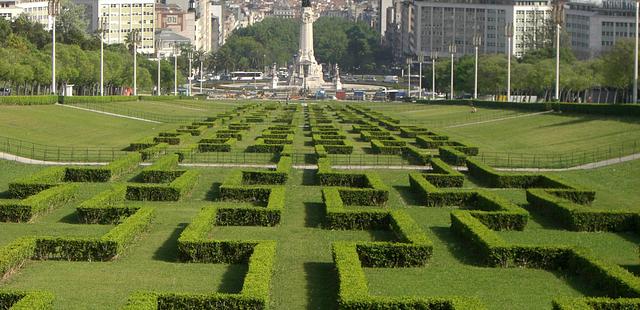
(34, 10)
(123, 16)
(595, 28)
(438, 24)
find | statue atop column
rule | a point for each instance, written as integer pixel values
(307, 71)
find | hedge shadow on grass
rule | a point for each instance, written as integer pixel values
(5, 195)
(309, 178)
(168, 250)
(213, 194)
(409, 196)
(456, 246)
(233, 279)
(322, 288)
(547, 222)
(314, 214)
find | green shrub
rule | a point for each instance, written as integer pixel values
(37, 182)
(154, 151)
(16, 300)
(32, 206)
(581, 218)
(261, 147)
(124, 234)
(94, 99)
(28, 100)
(162, 170)
(107, 173)
(107, 207)
(452, 156)
(173, 191)
(419, 155)
(13, 255)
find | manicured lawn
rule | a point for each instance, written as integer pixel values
(60, 126)
(304, 274)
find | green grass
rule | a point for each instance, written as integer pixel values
(304, 274)
(60, 126)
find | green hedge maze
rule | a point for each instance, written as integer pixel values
(268, 205)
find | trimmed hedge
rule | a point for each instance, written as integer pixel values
(255, 216)
(107, 207)
(591, 303)
(173, 191)
(581, 218)
(37, 182)
(355, 189)
(13, 255)
(26, 210)
(28, 100)
(353, 291)
(610, 279)
(17, 300)
(94, 99)
(154, 151)
(108, 247)
(262, 147)
(107, 173)
(452, 156)
(162, 170)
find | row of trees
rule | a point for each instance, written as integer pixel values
(354, 46)
(25, 50)
(534, 74)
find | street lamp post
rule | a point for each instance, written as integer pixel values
(190, 78)
(558, 17)
(135, 40)
(509, 34)
(477, 41)
(420, 60)
(409, 63)
(635, 55)
(103, 29)
(200, 73)
(434, 56)
(176, 49)
(159, 73)
(54, 10)
(452, 50)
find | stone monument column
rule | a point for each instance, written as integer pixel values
(308, 73)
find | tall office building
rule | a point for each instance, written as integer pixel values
(34, 10)
(438, 24)
(595, 27)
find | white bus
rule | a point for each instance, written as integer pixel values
(246, 76)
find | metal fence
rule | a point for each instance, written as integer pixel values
(58, 153)
(559, 160)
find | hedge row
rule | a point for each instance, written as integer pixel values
(442, 175)
(17, 300)
(108, 247)
(193, 130)
(162, 170)
(32, 206)
(154, 151)
(452, 155)
(28, 100)
(94, 99)
(262, 147)
(355, 189)
(107, 173)
(171, 139)
(581, 218)
(216, 145)
(388, 147)
(37, 182)
(591, 303)
(353, 291)
(107, 207)
(14, 254)
(276, 177)
(491, 209)
(141, 144)
(254, 216)
(492, 178)
(417, 154)
(610, 279)
(414, 131)
(173, 191)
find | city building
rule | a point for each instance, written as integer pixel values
(173, 17)
(167, 41)
(34, 10)
(594, 28)
(385, 15)
(439, 24)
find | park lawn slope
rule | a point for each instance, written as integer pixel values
(60, 126)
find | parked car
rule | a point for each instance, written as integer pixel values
(5, 91)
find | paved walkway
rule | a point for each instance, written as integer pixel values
(110, 114)
(498, 119)
(26, 160)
